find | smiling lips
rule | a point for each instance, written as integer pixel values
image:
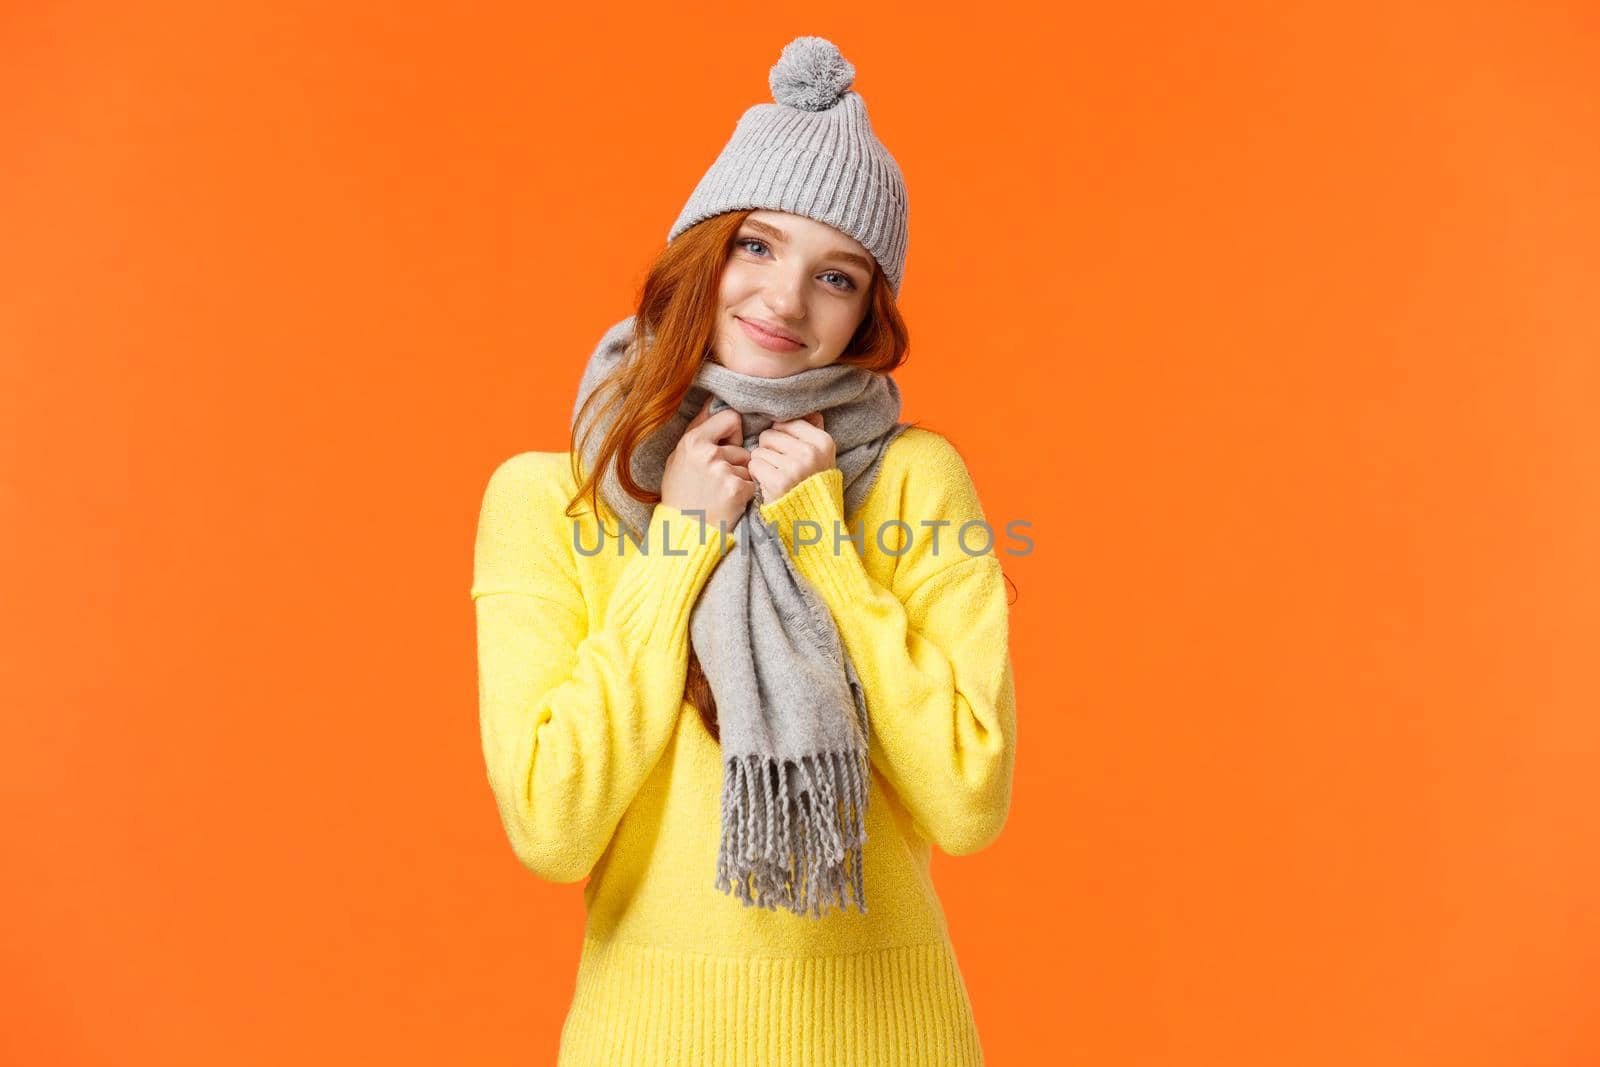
(770, 341)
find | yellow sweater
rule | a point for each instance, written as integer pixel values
(601, 769)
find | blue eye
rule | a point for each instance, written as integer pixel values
(847, 285)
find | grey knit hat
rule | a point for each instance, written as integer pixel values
(811, 153)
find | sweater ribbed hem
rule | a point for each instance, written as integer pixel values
(829, 558)
(636, 1005)
(653, 599)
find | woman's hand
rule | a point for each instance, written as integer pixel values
(707, 472)
(789, 452)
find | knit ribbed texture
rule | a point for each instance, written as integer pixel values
(601, 771)
(905, 1006)
(678, 552)
(821, 160)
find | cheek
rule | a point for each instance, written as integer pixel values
(842, 322)
(737, 285)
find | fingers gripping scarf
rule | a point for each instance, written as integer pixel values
(791, 710)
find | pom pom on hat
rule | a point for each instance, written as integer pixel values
(810, 75)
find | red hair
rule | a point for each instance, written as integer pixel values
(677, 309)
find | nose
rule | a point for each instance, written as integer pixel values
(786, 295)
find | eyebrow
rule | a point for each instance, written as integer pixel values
(778, 235)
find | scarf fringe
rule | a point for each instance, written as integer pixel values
(803, 853)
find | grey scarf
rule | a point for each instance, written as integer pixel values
(790, 708)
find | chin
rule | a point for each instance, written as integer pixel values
(761, 368)
(760, 363)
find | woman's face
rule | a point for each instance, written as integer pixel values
(795, 275)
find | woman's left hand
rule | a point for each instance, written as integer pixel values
(789, 452)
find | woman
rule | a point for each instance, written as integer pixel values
(763, 667)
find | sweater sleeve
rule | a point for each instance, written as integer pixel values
(932, 653)
(572, 719)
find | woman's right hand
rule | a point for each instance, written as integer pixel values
(705, 473)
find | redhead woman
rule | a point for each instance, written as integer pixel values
(743, 651)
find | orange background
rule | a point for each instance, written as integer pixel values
(1279, 326)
